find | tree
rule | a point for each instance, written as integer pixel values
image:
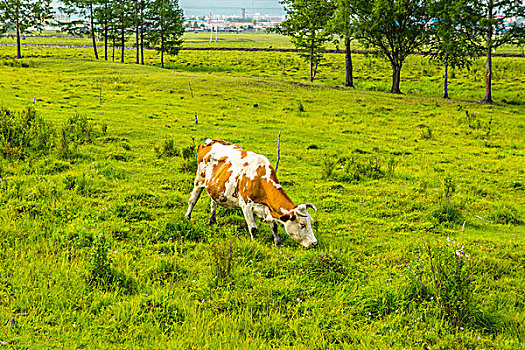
(80, 9)
(139, 23)
(123, 13)
(104, 15)
(167, 27)
(306, 25)
(341, 24)
(454, 29)
(21, 15)
(395, 27)
(500, 25)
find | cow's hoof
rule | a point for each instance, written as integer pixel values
(187, 217)
(213, 222)
(277, 241)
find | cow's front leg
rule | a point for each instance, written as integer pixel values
(213, 210)
(273, 227)
(194, 197)
(247, 211)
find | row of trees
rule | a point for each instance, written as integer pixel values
(455, 31)
(153, 22)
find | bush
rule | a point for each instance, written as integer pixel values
(23, 134)
(76, 131)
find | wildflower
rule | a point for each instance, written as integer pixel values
(202, 301)
(369, 313)
(194, 280)
(299, 300)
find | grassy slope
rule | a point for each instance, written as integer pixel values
(368, 230)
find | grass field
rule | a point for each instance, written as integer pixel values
(420, 222)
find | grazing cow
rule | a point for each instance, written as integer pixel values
(237, 179)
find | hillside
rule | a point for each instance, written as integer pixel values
(420, 205)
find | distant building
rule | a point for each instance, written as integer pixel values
(243, 13)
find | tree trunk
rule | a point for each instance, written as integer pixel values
(106, 41)
(488, 73)
(137, 24)
(105, 31)
(93, 30)
(122, 43)
(114, 36)
(18, 45)
(141, 33)
(396, 78)
(349, 69)
(445, 88)
(161, 52)
(311, 61)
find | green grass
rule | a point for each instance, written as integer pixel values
(95, 252)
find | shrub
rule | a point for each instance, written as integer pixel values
(23, 134)
(77, 130)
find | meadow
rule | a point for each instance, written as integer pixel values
(420, 220)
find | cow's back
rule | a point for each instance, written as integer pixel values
(224, 167)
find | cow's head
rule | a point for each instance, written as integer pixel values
(298, 224)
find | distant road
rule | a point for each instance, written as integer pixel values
(237, 49)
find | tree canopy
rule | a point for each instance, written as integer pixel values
(306, 25)
(21, 15)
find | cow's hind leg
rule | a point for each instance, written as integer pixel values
(247, 210)
(198, 186)
(273, 227)
(213, 210)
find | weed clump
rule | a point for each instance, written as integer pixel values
(166, 271)
(448, 212)
(357, 169)
(221, 261)
(505, 215)
(453, 279)
(77, 130)
(23, 134)
(101, 273)
(184, 229)
(327, 268)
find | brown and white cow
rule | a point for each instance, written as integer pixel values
(238, 179)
